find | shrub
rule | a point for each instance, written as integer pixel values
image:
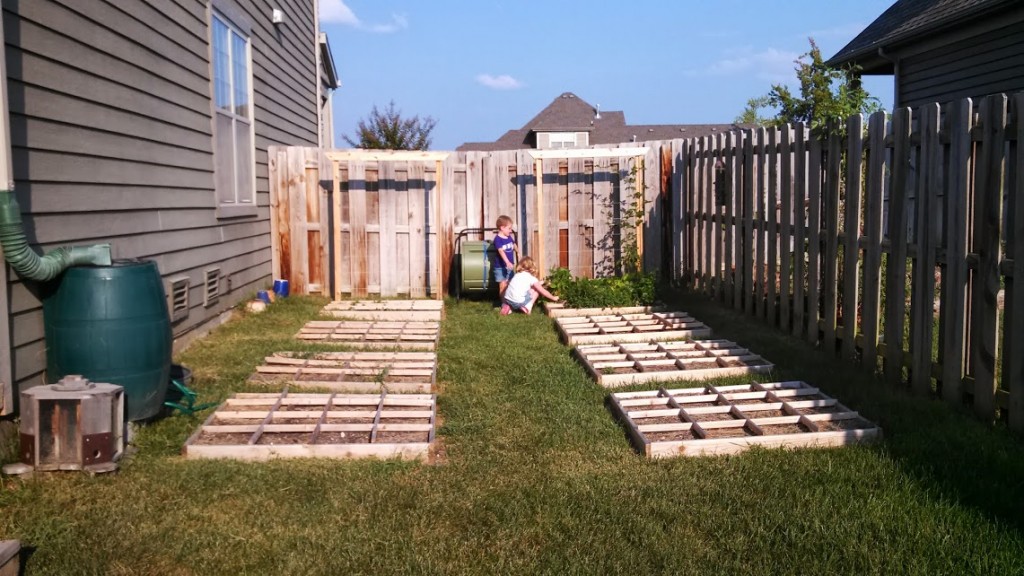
(634, 289)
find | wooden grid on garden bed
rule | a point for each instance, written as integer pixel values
(560, 310)
(351, 371)
(410, 310)
(284, 425)
(632, 363)
(730, 419)
(373, 334)
(641, 327)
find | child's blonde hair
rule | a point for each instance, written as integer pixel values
(526, 265)
(503, 221)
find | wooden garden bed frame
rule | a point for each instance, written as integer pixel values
(639, 327)
(559, 310)
(373, 333)
(633, 363)
(730, 419)
(283, 425)
(393, 310)
(406, 372)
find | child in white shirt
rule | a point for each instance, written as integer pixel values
(524, 288)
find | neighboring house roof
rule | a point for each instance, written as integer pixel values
(570, 113)
(330, 73)
(907, 21)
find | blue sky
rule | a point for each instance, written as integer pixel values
(481, 67)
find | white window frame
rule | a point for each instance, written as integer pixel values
(240, 197)
(562, 140)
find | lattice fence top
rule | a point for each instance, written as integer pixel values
(730, 419)
(639, 327)
(373, 334)
(631, 363)
(284, 425)
(351, 371)
(402, 310)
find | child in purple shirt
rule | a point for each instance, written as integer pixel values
(508, 254)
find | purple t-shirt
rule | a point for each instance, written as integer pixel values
(508, 245)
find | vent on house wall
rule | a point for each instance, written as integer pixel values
(211, 284)
(178, 295)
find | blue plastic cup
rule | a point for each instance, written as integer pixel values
(281, 287)
(263, 295)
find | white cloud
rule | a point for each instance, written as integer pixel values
(770, 64)
(502, 82)
(336, 12)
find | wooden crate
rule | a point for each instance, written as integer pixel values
(10, 557)
(730, 419)
(631, 363)
(351, 371)
(395, 310)
(559, 310)
(639, 327)
(285, 425)
(373, 333)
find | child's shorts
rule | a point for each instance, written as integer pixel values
(502, 275)
(521, 305)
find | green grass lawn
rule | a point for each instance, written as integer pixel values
(537, 478)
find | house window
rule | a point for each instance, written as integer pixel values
(562, 140)
(233, 150)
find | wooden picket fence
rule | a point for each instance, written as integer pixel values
(897, 245)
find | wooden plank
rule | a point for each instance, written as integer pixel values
(733, 279)
(357, 228)
(406, 372)
(718, 270)
(851, 227)
(603, 252)
(316, 224)
(388, 229)
(635, 327)
(579, 219)
(926, 233)
(1013, 373)
(873, 220)
(786, 223)
(434, 179)
(373, 334)
(395, 310)
(418, 261)
(748, 220)
(336, 218)
(814, 178)
(10, 559)
(771, 208)
(707, 200)
(565, 154)
(896, 267)
(297, 195)
(830, 227)
(280, 224)
(657, 361)
(678, 213)
(761, 228)
(364, 155)
(986, 244)
(799, 227)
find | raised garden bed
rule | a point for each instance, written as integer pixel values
(631, 363)
(559, 310)
(408, 372)
(284, 425)
(373, 334)
(731, 419)
(630, 327)
(395, 310)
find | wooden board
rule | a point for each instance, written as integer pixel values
(640, 327)
(559, 310)
(634, 363)
(373, 333)
(730, 419)
(351, 371)
(411, 310)
(284, 425)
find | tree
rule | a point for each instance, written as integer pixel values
(387, 130)
(752, 113)
(827, 95)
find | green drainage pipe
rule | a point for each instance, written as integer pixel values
(30, 265)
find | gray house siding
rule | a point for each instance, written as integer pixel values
(112, 140)
(987, 63)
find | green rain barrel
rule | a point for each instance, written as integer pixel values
(110, 324)
(476, 266)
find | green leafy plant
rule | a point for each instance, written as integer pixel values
(635, 289)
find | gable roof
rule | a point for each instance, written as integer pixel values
(907, 21)
(570, 113)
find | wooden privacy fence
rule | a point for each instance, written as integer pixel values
(395, 217)
(900, 244)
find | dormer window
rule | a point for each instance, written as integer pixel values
(562, 140)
